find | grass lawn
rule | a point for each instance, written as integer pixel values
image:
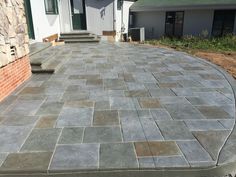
(221, 51)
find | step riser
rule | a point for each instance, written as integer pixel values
(82, 37)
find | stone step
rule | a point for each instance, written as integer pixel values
(82, 41)
(37, 69)
(76, 33)
(38, 47)
(77, 37)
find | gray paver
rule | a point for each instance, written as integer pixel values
(12, 138)
(167, 162)
(71, 135)
(102, 135)
(118, 155)
(183, 111)
(193, 151)
(69, 157)
(41, 140)
(204, 125)
(75, 117)
(174, 130)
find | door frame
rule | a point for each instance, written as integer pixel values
(29, 19)
(182, 30)
(71, 19)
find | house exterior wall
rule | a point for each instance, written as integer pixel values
(153, 22)
(122, 20)
(99, 16)
(14, 47)
(44, 25)
(65, 16)
(197, 21)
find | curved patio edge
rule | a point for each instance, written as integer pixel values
(225, 163)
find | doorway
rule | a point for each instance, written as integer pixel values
(174, 24)
(78, 14)
(223, 22)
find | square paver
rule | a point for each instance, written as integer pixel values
(46, 121)
(37, 161)
(174, 130)
(114, 84)
(70, 157)
(107, 117)
(122, 103)
(160, 114)
(183, 111)
(149, 103)
(170, 162)
(13, 137)
(146, 162)
(102, 105)
(137, 93)
(19, 120)
(156, 148)
(117, 155)
(71, 135)
(193, 151)
(102, 135)
(161, 92)
(79, 104)
(70, 117)
(151, 130)
(41, 140)
(50, 108)
(24, 107)
(213, 112)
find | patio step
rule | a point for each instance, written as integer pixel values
(48, 60)
(79, 37)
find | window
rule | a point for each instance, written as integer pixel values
(119, 4)
(51, 6)
(223, 22)
(174, 24)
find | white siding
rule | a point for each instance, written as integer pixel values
(197, 21)
(99, 16)
(44, 25)
(153, 22)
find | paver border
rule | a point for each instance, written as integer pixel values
(213, 171)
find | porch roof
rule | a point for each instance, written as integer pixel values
(162, 5)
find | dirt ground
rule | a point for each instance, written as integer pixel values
(226, 61)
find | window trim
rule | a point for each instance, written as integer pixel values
(55, 8)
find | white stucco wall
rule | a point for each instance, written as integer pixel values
(44, 25)
(153, 22)
(197, 21)
(65, 15)
(99, 15)
(122, 19)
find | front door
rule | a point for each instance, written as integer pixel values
(174, 24)
(78, 14)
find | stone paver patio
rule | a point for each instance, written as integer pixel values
(119, 106)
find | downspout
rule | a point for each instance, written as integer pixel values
(122, 20)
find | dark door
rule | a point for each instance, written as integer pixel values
(78, 14)
(223, 22)
(29, 20)
(174, 24)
